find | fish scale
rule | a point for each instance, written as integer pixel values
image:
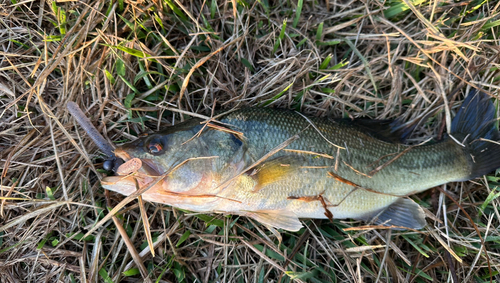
(313, 182)
(335, 168)
(419, 161)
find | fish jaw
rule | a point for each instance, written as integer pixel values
(128, 184)
(120, 184)
(190, 192)
(133, 173)
(159, 192)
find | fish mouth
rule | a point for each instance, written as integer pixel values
(149, 167)
(123, 155)
(133, 172)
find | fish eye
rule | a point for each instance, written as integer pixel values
(155, 147)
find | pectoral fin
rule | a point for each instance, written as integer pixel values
(274, 170)
(276, 218)
(403, 212)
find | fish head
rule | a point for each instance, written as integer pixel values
(175, 163)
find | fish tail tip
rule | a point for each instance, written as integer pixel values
(475, 125)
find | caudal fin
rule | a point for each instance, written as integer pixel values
(475, 126)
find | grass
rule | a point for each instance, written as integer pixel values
(139, 66)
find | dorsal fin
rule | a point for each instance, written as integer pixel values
(393, 131)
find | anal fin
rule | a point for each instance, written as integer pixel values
(276, 218)
(403, 212)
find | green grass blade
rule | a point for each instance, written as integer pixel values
(281, 37)
(297, 13)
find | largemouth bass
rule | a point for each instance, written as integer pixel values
(278, 166)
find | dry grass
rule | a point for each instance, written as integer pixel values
(132, 65)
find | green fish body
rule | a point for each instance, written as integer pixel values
(277, 166)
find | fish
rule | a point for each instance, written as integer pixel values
(280, 166)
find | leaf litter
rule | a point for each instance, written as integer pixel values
(133, 67)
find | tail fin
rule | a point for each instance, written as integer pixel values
(475, 125)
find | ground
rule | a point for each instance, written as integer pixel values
(136, 66)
